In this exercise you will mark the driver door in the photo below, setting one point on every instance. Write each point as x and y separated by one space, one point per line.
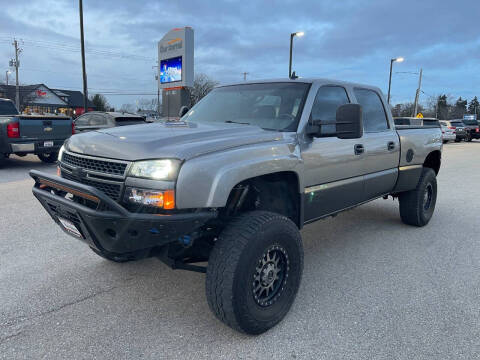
334 167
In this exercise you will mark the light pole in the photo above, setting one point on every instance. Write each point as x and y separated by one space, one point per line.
6 75
400 59
292 35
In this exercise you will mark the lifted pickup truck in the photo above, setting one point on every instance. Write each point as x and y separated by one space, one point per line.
32 134
234 181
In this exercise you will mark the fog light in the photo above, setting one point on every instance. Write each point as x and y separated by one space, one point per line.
163 199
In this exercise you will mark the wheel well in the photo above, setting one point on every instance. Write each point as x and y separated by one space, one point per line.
277 192
433 161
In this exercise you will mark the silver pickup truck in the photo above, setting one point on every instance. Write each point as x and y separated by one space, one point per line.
234 181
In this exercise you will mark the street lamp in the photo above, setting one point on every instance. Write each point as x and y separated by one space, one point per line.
292 35
399 59
6 75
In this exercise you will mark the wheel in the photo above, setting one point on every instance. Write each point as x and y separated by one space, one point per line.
445 141
48 158
469 138
254 271
417 206
112 257
457 140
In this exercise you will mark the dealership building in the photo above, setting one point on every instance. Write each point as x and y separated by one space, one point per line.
40 99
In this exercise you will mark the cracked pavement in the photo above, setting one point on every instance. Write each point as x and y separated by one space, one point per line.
372 287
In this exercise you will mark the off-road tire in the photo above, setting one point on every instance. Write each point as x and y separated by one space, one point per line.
417 206
48 158
234 263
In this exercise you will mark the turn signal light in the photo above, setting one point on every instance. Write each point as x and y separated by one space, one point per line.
162 199
73 128
13 130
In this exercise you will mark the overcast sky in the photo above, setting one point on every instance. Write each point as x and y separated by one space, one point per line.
346 40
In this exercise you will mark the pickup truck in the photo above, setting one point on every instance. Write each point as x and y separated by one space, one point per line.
31 134
232 183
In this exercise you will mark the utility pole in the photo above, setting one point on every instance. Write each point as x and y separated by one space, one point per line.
245 76
16 64
415 108
82 43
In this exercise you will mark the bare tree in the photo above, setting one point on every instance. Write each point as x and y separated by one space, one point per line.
128 108
202 85
147 104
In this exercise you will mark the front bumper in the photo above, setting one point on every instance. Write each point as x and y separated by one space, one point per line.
108 226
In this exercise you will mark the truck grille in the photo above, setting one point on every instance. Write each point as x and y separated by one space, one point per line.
89 163
105 175
114 191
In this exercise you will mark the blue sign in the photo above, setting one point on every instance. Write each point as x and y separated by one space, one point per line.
171 70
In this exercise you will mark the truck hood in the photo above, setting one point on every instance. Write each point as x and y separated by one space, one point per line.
179 140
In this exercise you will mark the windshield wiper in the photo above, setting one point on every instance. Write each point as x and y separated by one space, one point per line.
236 122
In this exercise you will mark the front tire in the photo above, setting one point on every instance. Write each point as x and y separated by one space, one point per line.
48 158
254 271
417 206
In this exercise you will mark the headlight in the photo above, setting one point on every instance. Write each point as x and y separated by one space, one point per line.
60 152
155 169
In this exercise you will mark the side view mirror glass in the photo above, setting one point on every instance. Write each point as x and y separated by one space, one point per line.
183 111
349 121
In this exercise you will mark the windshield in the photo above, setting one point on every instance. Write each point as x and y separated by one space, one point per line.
470 122
271 106
457 124
7 108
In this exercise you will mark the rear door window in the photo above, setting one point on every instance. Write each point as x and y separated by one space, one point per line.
374 117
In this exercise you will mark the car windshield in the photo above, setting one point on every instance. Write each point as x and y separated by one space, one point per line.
470 122
457 124
271 106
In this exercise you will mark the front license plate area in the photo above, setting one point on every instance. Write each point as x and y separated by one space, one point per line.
70 227
47 143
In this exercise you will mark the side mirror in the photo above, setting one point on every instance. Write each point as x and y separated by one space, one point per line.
349 121
183 110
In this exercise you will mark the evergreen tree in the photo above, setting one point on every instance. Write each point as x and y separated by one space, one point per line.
474 106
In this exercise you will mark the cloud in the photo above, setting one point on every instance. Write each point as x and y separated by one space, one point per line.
348 40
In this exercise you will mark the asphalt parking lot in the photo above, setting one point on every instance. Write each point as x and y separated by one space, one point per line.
373 288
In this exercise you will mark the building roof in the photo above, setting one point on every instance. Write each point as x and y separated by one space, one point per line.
73 98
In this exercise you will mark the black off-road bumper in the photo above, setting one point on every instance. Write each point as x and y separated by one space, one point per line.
108 226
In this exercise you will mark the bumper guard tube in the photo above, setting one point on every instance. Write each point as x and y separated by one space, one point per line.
114 229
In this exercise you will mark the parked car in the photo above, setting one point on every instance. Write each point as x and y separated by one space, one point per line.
42 135
458 126
414 121
447 134
473 130
234 181
96 120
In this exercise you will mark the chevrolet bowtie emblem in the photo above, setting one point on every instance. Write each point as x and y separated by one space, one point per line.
48 128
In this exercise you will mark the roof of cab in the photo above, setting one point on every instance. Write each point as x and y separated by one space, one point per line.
307 80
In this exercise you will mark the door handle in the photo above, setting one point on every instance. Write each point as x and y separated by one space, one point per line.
358 149
390 146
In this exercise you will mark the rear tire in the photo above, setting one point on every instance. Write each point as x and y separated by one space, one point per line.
248 269
48 158
417 206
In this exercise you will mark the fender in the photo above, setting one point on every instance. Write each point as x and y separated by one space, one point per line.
206 181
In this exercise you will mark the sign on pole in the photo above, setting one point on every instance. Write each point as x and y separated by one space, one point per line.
420 115
175 57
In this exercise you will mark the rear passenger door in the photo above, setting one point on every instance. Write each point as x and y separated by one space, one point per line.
381 142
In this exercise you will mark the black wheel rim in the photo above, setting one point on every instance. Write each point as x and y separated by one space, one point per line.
427 197
270 276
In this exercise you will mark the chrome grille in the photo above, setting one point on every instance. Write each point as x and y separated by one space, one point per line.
114 191
107 167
